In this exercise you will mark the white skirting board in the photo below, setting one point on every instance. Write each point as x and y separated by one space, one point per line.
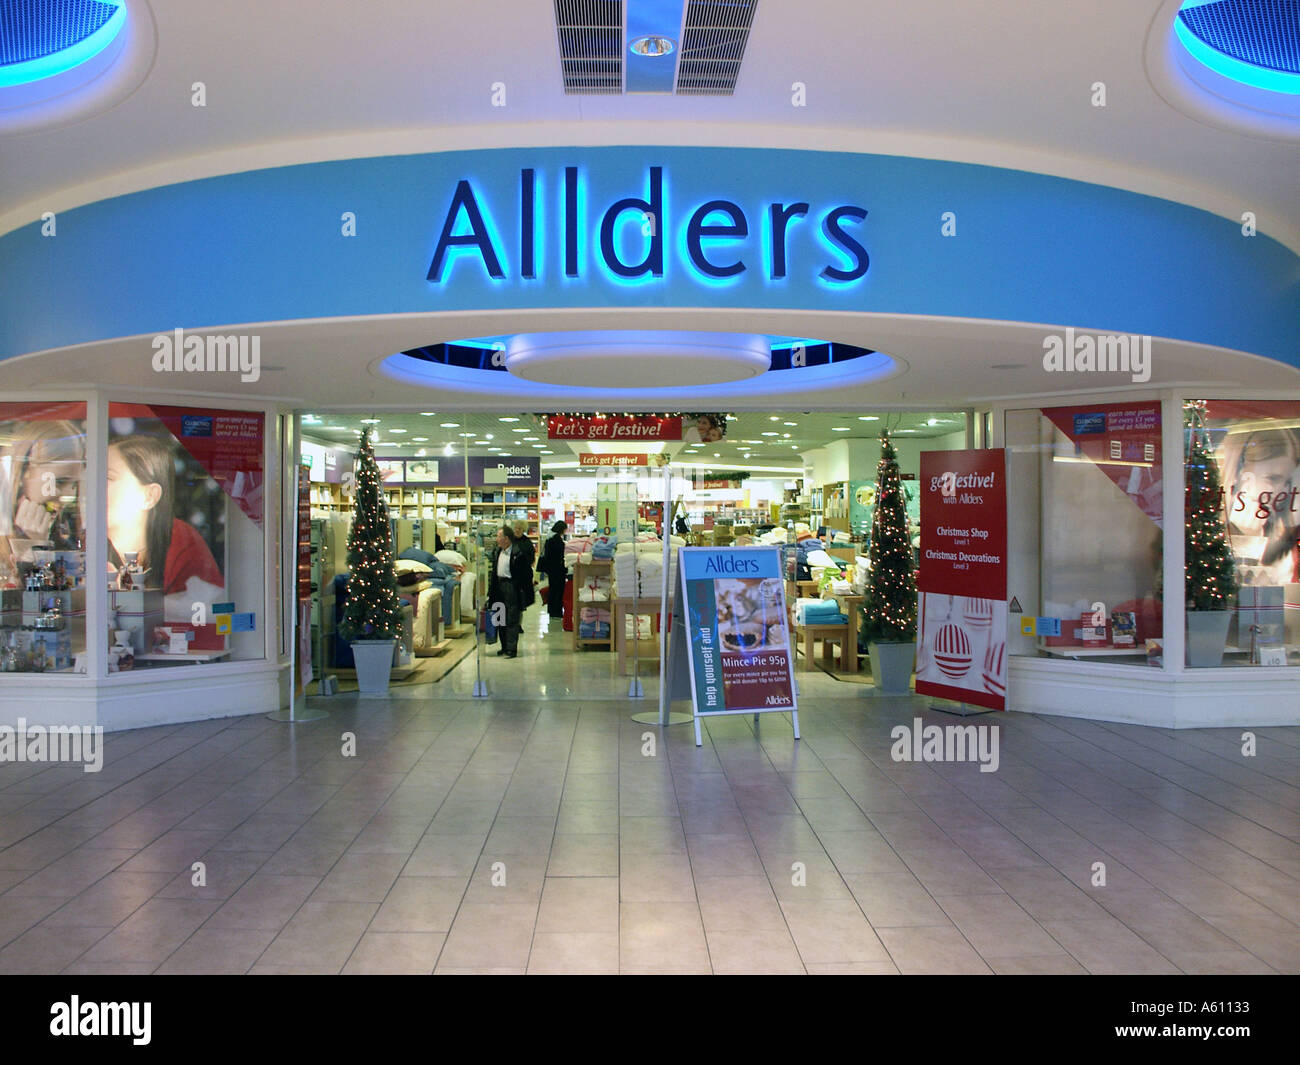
1239 696
153 697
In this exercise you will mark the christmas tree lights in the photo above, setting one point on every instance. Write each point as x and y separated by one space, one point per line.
890 605
374 606
1211 580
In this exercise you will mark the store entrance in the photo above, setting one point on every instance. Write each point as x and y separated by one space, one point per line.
581 503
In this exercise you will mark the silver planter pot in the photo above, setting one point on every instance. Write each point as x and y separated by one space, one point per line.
374 659
1207 636
891 666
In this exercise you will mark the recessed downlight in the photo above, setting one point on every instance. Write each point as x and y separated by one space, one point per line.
652 45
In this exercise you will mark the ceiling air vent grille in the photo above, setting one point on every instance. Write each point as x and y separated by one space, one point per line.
714 34
591 45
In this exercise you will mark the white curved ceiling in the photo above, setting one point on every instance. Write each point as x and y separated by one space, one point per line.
1006 83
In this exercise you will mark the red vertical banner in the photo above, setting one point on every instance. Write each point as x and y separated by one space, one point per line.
304 577
962 581
304 532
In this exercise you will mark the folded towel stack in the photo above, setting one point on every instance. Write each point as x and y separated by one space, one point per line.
593 624
818 612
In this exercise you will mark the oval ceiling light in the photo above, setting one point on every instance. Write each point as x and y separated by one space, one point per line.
637 359
47 39
1253 42
653 45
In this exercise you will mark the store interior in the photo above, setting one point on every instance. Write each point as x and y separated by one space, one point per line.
802 481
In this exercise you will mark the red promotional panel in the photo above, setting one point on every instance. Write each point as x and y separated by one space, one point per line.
613 460
613 427
1123 441
227 444
964 523
304 532
962 623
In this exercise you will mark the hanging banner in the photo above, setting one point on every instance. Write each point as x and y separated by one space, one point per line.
613 427
304 532
738 630
962 581
613 460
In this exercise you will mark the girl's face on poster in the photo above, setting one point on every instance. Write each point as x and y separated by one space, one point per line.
129 503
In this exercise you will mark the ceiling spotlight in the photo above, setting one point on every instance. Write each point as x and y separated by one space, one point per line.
369 421
653 45
867 418
839 428
791 423
428 414
771 434
774 418
449 425
397 430
507 419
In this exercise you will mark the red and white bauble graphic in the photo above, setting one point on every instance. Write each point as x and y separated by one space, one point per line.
995 669
952 651
978 613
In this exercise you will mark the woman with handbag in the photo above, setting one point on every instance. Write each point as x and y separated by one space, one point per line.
510 584
551 563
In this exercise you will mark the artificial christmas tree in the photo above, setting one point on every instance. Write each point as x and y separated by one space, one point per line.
1210 588
372 617
889 625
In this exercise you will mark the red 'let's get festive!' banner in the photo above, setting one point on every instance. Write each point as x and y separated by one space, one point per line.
613 427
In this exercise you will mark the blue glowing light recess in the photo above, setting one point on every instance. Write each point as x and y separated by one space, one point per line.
1253 42
42 38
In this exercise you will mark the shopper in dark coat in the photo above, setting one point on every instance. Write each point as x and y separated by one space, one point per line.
510 583
551 563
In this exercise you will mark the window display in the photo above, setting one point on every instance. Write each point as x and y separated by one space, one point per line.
42 536
1086 521
184 520
1256 446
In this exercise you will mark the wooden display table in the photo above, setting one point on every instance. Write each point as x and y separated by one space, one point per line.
621 609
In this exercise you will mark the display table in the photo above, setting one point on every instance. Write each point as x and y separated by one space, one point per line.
620 610
851 604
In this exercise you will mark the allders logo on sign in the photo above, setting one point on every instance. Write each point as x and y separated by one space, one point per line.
948 483
715 235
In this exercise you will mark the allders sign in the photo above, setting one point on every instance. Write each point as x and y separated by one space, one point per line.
717 239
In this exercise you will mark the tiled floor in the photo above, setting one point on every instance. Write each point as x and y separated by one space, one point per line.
533 832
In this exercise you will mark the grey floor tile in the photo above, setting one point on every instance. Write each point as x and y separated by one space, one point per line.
320 934
827 930
395 953
487 936
152 932
574 953
1108 947
265 901
754 952
420 904
579 904
587 854
932 950
895 900
218 951
997 927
